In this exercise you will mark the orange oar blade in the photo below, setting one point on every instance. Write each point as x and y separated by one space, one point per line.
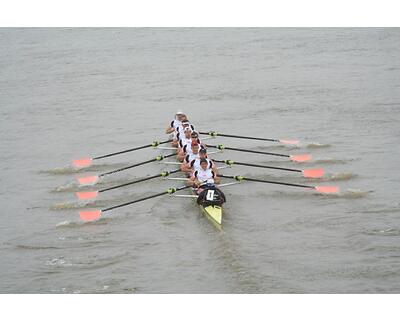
87 195
88 180
327 189
82 163
90 215
289 141
301 157
313 173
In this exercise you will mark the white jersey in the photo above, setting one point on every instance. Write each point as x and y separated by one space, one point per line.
191 156
175 124
183 141
180 129
206 176
195 163
187 147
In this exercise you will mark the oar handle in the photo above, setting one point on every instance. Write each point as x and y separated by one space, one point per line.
222 147
241 178
216 134
230 162
158 158
153 144
169 191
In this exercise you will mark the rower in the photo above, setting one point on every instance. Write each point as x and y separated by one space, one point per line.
192 153
183 141
189 137
204 175
195 163
179 117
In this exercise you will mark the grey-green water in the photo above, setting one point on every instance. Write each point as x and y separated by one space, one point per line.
67 93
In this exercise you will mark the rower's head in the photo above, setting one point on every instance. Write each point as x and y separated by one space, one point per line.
180 115
203 153
188 132
203 164
194 135
185 124
195 147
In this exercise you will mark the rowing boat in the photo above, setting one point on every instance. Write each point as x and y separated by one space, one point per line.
210 199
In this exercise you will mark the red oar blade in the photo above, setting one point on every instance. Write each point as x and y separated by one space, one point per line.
313 173
86 195
90 215
327 189
301 157
82 163
85 181
290 142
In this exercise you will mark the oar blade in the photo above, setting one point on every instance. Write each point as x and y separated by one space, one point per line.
82 163
86 181
289 142
313 173
87 195
300 157
90 215
327 189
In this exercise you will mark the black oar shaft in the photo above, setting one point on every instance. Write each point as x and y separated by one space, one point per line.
229 162
169 191
216 134
240 178
159 158
162 174
222 147
154 144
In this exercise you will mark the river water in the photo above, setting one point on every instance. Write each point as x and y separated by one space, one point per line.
69 93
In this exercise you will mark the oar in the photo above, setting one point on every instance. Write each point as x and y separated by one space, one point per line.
94 215
295 158
307 173
93 179
216 134
85 195
86 162
320 189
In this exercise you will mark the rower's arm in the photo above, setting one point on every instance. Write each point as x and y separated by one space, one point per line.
169 130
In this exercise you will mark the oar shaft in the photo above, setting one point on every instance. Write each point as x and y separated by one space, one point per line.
229 162
159 158
162 174
154 144
239 178
169 191
215 134
222 147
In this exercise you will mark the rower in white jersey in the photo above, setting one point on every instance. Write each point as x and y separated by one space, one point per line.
186 140
179 117
195 163
204 175
192 153
179 131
